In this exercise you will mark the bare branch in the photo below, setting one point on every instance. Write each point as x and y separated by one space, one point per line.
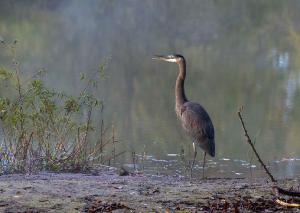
253 148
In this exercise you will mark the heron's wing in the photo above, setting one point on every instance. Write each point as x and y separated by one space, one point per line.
197 123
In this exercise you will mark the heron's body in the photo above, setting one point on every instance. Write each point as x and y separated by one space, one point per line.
197 123
194 119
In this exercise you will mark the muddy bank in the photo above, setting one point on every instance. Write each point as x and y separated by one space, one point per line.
107 191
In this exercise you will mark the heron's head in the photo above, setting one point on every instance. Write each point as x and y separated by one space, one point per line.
169 58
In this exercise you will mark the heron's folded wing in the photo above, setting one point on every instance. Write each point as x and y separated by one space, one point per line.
197 122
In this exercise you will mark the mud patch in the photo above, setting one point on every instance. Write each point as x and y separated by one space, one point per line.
24 209
109 192
95 204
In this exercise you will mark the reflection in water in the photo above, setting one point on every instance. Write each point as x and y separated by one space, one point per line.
222 168
291 88
280 60
290 168
227 47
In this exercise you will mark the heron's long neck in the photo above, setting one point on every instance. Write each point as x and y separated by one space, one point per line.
179 88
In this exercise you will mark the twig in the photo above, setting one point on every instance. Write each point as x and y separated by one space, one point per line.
113 142
283 203
88 123
253 148
184 161
143 158
133 159
101 134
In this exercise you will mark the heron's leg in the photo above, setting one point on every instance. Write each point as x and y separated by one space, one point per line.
194 159
195 153
203 165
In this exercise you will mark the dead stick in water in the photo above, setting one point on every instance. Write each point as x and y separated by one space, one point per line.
253 148
277 189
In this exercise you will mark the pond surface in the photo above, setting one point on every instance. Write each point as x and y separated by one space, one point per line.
239 53
177 165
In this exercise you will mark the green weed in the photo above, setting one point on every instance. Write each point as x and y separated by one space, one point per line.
45 129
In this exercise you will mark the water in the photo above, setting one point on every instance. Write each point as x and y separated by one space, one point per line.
239 53
214 168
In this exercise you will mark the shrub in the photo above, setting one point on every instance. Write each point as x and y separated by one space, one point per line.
45 129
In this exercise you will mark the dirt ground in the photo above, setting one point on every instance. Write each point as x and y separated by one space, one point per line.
107 191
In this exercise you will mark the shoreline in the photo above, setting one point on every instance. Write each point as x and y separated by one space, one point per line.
108 191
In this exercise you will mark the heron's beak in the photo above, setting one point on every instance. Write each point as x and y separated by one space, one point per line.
164 58
159 57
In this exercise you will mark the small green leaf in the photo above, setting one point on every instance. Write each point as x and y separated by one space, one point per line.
82 76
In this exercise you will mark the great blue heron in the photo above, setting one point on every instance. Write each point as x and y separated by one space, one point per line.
194 119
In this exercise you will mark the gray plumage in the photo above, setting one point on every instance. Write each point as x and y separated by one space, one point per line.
197 123
194 119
